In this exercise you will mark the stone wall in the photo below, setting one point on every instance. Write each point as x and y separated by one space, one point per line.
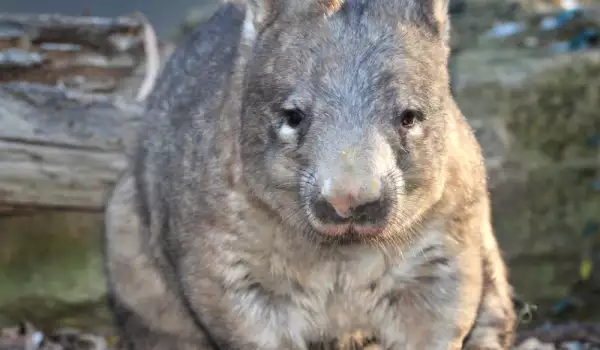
536 119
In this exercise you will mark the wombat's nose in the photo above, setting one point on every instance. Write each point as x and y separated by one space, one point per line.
342 203
361 203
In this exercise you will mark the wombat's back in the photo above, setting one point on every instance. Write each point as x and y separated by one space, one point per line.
186 102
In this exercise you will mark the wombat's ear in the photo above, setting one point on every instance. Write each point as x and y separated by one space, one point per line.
261 12
258 14
433 12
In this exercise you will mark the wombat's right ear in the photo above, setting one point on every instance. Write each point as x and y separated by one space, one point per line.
435 12
261 12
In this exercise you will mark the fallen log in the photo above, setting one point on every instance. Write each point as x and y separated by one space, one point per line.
69 92
94 53
61 148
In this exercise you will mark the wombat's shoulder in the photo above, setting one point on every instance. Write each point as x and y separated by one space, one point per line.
186 104
201 63
193 84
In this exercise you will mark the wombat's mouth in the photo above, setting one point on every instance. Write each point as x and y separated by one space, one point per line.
363 222
351 230
351 223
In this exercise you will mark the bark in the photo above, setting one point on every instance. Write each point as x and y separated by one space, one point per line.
61 148
90 53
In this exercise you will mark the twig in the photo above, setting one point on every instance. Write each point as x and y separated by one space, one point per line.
589 333
152 58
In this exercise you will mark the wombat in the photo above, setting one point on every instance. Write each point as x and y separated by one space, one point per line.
303 175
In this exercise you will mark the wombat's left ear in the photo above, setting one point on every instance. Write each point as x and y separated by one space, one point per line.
433 12
260 12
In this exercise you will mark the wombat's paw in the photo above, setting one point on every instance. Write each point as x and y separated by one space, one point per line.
480 346
358 340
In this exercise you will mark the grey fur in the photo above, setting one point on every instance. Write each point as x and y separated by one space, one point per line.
211 236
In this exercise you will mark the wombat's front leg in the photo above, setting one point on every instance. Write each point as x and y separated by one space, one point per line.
135 335
236 312
357 340
437 309
494 327
496 320
148 312
430 332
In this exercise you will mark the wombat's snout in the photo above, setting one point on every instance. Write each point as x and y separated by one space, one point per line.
351 204
352 192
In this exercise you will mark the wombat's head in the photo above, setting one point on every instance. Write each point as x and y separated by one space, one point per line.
344 120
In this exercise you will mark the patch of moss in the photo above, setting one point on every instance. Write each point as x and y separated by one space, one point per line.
50 261
548 213
50 314
558 113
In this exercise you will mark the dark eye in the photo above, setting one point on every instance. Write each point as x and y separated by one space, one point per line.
293 117
408 118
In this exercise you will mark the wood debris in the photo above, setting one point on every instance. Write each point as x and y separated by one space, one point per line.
71 90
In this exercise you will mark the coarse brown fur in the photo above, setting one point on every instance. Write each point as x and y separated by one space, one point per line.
222 233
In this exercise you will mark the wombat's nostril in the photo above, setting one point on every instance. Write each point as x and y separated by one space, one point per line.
371 213
327 214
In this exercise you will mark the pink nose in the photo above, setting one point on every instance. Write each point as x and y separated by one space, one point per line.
343 203
344 197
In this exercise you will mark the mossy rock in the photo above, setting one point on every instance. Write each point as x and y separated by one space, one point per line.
486 77
552 120
541 212
546 213
542 179
51 269
50 314
558 114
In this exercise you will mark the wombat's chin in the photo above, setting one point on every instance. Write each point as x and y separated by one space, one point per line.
350 232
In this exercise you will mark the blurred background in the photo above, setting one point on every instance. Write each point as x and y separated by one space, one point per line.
525 73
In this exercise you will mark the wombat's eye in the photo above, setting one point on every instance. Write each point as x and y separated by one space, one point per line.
293 117
408 118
